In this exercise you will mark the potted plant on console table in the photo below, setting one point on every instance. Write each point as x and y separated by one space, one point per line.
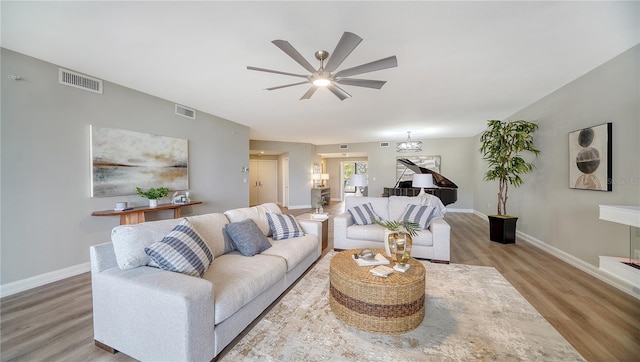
501 146
153 194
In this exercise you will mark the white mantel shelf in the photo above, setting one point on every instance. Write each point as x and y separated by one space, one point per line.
614 266
621 214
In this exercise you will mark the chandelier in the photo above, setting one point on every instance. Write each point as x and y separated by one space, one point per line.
409 145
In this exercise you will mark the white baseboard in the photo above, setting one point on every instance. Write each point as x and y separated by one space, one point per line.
578 263
466 211
42 279
582 265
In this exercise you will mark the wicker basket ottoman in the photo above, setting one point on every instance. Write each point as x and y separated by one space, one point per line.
389 305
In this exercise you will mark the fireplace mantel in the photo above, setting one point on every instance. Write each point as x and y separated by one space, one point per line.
624 269
621 214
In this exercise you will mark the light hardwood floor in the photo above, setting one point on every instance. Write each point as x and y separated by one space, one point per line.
54 322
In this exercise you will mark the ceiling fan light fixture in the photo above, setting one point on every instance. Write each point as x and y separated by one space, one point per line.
409 145
327 76
321 82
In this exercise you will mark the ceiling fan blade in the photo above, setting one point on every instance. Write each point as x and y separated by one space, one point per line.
339 92
380 64
348 42
276 72
309 92
286 85
293 53
377 84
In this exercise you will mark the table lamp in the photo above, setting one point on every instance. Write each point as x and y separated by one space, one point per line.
422 180
324 177
358 181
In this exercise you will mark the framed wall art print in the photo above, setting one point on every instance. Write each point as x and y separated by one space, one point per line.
123 160
590 158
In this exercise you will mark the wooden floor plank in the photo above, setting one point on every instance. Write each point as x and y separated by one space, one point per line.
54 322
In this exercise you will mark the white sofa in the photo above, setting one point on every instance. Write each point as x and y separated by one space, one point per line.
157 315
432 244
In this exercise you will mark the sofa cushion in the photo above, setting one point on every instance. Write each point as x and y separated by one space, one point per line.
211 227
397 204
129 241
371 232
424 238
283 226
363 214
238 280
183 250
293 250
247 237
436 203
257 213
380 204
419 214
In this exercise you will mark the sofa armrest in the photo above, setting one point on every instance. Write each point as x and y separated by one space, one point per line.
152 314
441 232
340 224
102 257
313 227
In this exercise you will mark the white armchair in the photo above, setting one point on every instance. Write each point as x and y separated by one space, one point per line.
432 244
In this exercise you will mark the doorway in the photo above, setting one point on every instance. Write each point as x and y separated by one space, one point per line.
263 181
285 182
347 169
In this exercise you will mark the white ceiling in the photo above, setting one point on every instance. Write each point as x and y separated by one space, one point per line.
460 63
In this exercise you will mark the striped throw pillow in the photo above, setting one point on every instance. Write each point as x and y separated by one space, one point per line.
421 215
363 214
183 250
283 226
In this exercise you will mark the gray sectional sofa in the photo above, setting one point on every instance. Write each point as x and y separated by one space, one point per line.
154 314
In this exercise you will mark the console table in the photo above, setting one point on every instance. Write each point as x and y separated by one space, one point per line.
320 195
136 215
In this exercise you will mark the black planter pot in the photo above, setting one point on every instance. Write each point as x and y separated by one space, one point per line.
502 229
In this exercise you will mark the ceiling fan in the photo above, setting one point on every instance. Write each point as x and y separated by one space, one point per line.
325 76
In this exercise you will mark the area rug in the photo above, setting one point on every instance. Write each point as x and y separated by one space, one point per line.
472 314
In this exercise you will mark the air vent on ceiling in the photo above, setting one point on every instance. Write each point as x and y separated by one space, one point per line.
384 144
185 112
78 80
344 146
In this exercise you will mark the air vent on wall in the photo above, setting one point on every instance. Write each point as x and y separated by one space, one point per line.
384 144
344 146
78 80
185 112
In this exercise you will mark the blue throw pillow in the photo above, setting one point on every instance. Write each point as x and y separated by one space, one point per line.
421 215
247 237
183 250
363 214
283 226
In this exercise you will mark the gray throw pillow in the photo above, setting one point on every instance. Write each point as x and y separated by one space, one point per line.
247 237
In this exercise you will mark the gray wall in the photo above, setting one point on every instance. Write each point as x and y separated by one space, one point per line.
45 165
456 155
549 211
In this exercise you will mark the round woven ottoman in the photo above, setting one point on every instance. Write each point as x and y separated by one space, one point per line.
389 305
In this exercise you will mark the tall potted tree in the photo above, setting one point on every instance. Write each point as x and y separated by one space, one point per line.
502 145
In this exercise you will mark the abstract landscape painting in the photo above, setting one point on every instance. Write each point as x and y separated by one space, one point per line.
122 160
